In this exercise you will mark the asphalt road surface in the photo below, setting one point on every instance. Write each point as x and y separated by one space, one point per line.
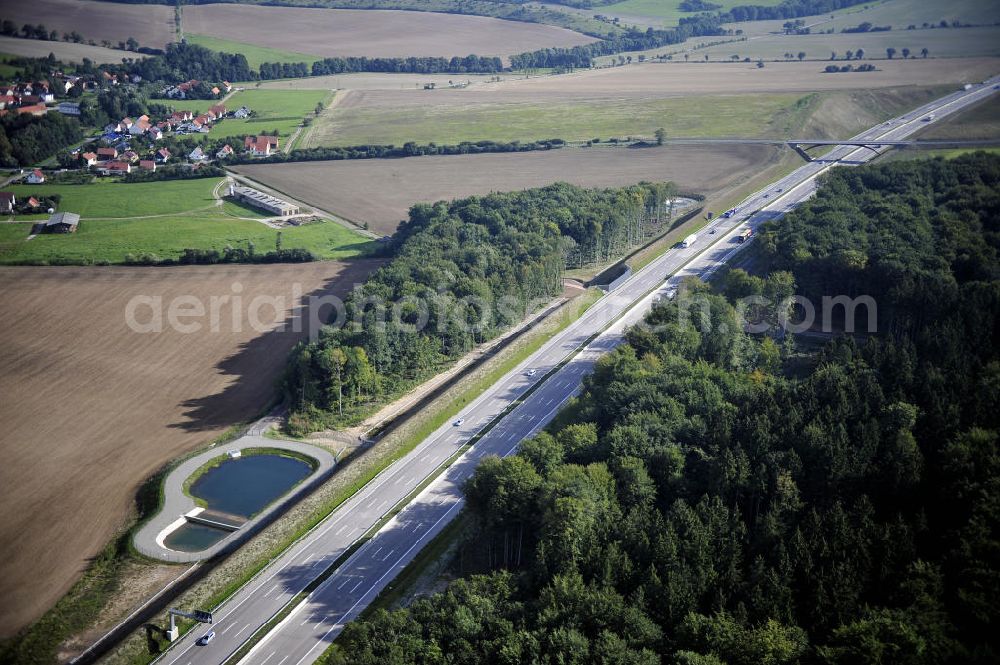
302 636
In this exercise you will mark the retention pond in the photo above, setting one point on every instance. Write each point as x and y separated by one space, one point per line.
232 491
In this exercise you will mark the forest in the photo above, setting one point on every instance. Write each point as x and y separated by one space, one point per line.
719 497
461 272
26 139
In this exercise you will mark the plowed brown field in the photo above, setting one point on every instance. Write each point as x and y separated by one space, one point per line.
380 191
152 25
346 32
90 408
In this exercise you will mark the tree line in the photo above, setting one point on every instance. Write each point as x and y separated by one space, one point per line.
410 149
718 497
461 272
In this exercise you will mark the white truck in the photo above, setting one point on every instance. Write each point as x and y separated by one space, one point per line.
690 240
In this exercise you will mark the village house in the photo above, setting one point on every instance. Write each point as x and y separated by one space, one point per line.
224 152
88 158
162 156
32 202
69 108
36 177
180 116
147 164
130 156
155 133
126 124
62 222
260 146
140 126
7 202
197 155
218 111
241 113
227 86
104 154
115 168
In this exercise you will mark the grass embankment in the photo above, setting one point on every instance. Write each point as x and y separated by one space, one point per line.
705 116
255 55
119 220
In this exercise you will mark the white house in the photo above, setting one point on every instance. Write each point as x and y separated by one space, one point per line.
197 155
36 177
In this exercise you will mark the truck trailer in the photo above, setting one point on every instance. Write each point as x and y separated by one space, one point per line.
690 240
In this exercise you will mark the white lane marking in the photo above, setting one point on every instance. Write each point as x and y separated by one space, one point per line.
307 619
269 591
282 660
372 502
399 480
360 582
377 582
223 631
237 634
386 557
383 504
339 530
268 657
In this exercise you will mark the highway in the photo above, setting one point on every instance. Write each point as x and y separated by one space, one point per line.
560 365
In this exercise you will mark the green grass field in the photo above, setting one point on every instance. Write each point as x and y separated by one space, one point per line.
902 13
573 121
7 71
161 218
112 199
666 10
255 55
281 110
166 237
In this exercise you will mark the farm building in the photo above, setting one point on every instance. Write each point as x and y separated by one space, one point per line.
62 222
265 202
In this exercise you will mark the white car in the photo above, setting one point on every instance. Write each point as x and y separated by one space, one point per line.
458 422
207 637
531 372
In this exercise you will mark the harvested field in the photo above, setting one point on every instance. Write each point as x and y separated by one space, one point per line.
64 51
152 25
941 43
380 191
623 101
347 32
718 78
90 409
